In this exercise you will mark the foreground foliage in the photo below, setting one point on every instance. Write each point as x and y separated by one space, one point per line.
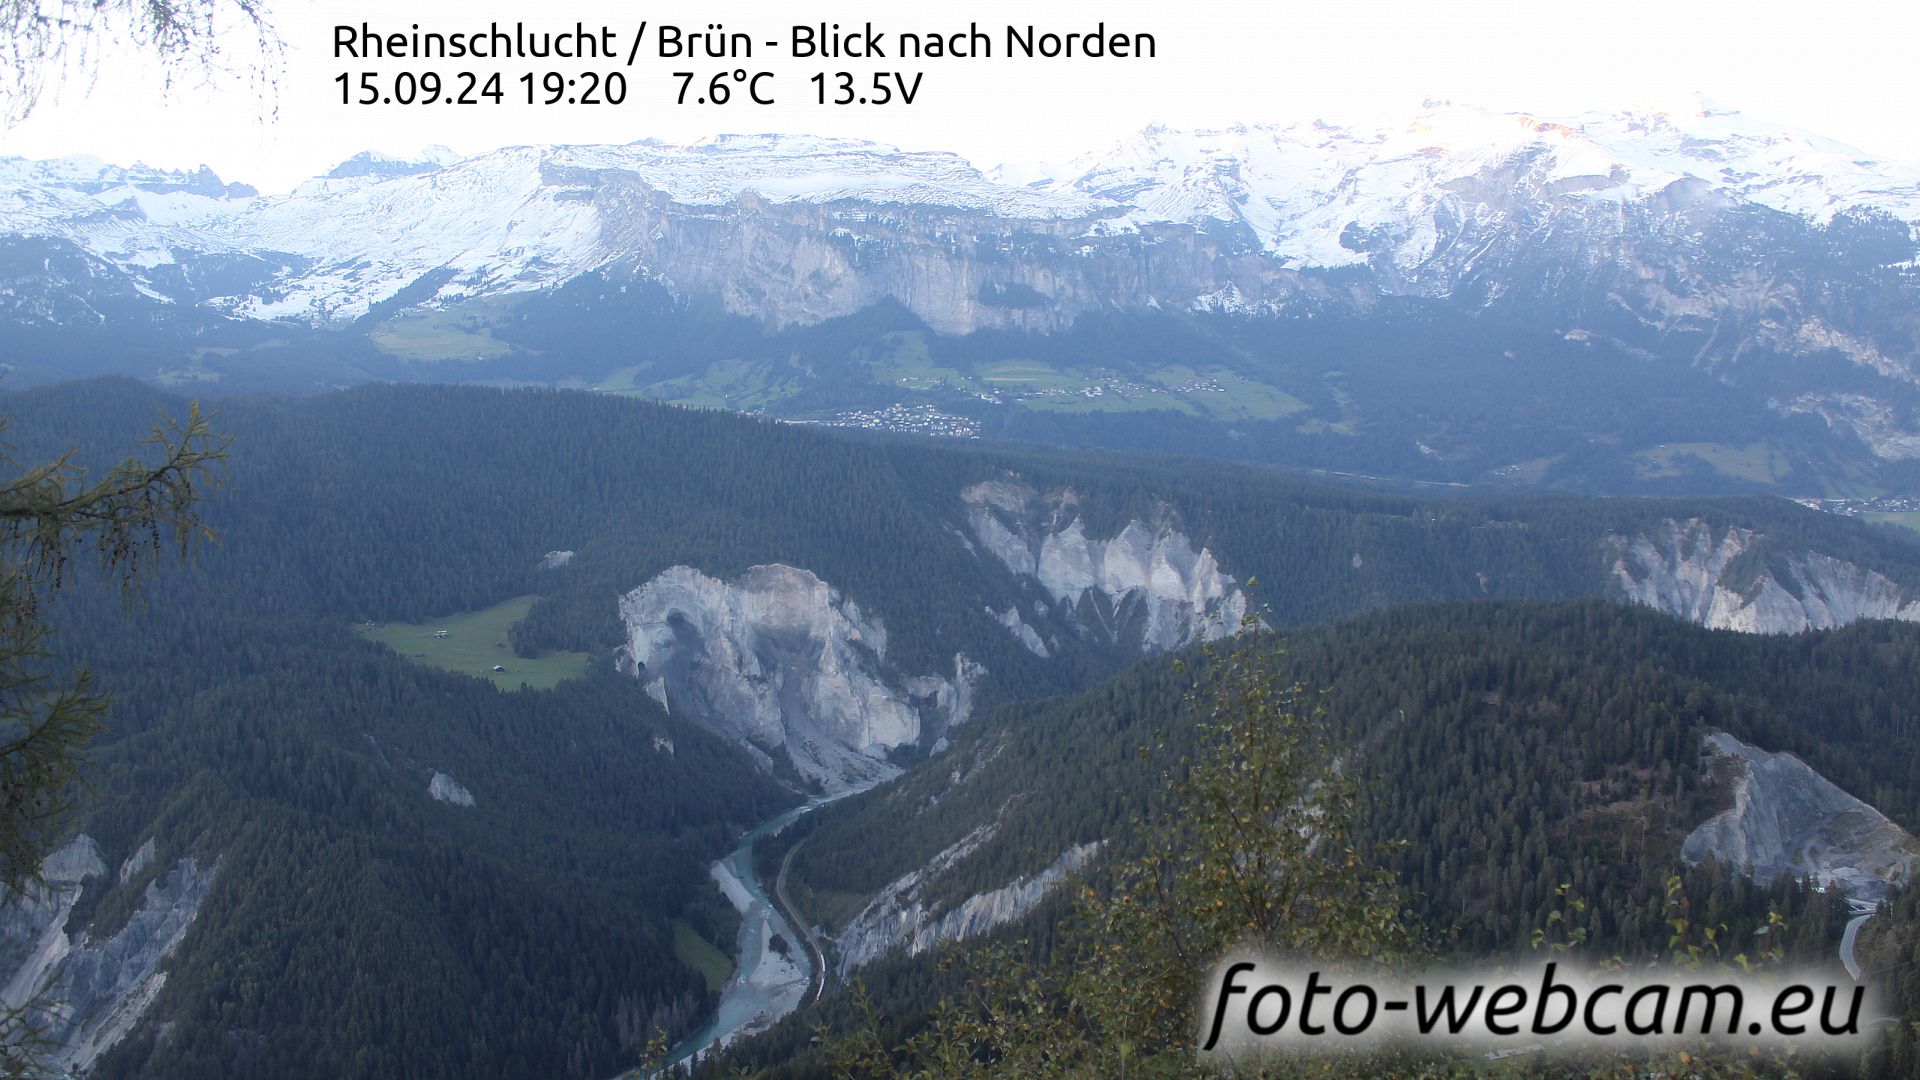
50 516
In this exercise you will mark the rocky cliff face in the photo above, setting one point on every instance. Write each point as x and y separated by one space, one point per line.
1688 570
780 661
1144 584
1788 819
102 985
901 917
448 790
1023 633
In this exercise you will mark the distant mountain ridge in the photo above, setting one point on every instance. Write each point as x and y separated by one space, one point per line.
1645 302
1305 196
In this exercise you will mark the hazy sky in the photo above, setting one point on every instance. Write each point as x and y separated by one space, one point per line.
1842 69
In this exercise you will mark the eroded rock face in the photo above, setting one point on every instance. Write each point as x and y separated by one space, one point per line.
139 860
1025 634
900 917
1787 819
448 790
1682 568
103 986
779 660
1147 579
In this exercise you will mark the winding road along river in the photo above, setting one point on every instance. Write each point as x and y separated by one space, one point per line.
1862 911
766 984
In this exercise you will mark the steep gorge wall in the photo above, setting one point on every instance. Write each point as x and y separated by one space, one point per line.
1682 568
1788 820
1145 583
96 989
901 916
781 662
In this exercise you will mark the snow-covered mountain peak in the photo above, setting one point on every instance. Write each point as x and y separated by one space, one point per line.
1301 187
89 175
781 143
372 167
796 168
1403 198
387 166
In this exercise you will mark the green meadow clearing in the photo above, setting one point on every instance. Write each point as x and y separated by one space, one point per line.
475 642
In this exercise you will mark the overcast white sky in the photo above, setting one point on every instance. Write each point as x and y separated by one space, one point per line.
1843 69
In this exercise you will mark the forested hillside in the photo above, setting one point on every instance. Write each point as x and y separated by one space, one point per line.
427 500
363 920
1477 723
1503 749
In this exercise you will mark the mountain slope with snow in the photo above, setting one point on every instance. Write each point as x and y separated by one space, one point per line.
1303 195
1736 297
508 221
1304 190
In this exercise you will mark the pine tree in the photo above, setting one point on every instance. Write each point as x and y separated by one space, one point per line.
50 519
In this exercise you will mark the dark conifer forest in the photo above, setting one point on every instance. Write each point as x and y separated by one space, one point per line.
1515 730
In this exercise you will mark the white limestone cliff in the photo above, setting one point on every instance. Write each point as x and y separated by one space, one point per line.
98 987
1787 819
448 790
1024 633
1147 578
779 660
900 916
1681 568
